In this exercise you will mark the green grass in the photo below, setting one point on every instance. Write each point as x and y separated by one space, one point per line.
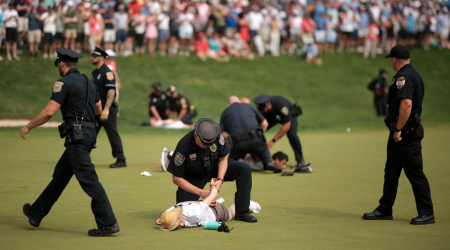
321 210
333 96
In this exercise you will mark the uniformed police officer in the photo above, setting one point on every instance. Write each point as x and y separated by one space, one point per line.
380 89
404 149
277 109
244 126
180 104
201 155
105 81
157 102
77 107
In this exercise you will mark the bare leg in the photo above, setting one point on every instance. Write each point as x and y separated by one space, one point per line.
231 211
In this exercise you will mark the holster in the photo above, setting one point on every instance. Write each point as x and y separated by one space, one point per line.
62 130
260 133
296 110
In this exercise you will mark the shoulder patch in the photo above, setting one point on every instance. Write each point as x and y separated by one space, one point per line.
284 111
57 87
163 97
183 101
221 140
400 82
179 159
213 148
110 76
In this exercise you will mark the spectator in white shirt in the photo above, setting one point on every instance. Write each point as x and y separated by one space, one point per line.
10 17
49 19
186 30
163 29
255 20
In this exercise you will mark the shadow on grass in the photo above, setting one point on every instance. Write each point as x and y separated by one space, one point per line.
319 212
146 215
22 224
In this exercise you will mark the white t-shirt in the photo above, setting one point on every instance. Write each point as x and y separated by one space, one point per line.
255 20
11 23
347 22
296 23
186 19
49 22
163 21
195 214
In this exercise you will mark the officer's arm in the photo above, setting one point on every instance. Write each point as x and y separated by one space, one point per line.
188 187
110 98
155 113
264 125
98 108
283 130
41 118
223 166
182 114
404 113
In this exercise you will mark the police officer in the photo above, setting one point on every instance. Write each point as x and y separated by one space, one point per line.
202 155
244 127
77 107
105 81
157 102
380 89
180 104
277 109
404 149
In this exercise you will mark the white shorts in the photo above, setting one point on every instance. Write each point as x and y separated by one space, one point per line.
444 33
86 29
22 24
109 36
185 33
320 35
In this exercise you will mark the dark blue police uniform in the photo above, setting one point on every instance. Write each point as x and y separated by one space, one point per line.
158 101
179 103
71 93
188 162
105 80
240 121
378 86
407 153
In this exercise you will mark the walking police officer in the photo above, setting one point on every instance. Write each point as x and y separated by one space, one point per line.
201 155
277 109
105 81
380 89
180 104
157 102
404 149
78 99
243 127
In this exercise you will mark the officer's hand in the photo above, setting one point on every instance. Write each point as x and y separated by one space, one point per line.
270 144
24 131
398 136
204 193
104 115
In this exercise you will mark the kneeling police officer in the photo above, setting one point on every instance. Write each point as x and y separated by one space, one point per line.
78 98
201 155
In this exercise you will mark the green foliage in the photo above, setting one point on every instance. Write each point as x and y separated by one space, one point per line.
333 96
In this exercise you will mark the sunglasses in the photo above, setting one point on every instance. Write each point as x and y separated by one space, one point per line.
56 62
261 107
206 142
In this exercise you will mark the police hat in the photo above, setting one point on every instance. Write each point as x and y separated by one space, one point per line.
172 89
99 52
208 130
157 86
66 55
399 52
382 71
261 101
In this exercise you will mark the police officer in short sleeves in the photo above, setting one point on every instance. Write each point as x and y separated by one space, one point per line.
105 81
201 155
157 102
77 106
277 109
180 104
404 149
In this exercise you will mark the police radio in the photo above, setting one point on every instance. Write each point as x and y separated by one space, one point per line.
77 131
296 110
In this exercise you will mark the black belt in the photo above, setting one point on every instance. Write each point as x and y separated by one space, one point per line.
69 126
250 135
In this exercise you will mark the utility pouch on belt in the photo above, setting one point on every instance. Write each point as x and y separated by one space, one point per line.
62 130
260 133
296 110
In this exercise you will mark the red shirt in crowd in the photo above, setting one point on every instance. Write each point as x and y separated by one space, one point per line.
202 45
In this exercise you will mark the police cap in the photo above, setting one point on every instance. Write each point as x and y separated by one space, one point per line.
99 52
172 89
208 130
261 101
400 52
66 55
382 71
157 86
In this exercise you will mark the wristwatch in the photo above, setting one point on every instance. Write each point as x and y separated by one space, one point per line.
397 129
220 179
274 140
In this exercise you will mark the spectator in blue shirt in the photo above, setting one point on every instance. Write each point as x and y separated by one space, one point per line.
34 31
231 24
320 30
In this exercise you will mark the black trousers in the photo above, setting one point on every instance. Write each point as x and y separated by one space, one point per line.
380 105
255 146
407 155
112 131
76 161
237 171
294 140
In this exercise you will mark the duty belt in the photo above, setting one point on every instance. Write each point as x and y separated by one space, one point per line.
69 126
249 136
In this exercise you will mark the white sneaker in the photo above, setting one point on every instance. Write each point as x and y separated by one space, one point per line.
255 207
164 160
220 200
9 57
1 58
45 56
17 58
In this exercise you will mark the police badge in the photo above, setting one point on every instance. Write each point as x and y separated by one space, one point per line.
213 148
179 159
57 87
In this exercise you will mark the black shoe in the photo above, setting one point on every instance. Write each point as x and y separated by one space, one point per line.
423 219
377 215
245 216
273 167
118 164
104 231
302 168
31 220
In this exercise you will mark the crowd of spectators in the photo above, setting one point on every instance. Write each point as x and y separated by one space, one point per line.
220 29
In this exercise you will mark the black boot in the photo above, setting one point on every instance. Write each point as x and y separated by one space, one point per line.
245 216
272 167
377 215
31 220
104 231
118 164
423 219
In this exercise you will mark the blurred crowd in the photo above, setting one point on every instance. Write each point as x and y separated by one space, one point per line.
221 29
